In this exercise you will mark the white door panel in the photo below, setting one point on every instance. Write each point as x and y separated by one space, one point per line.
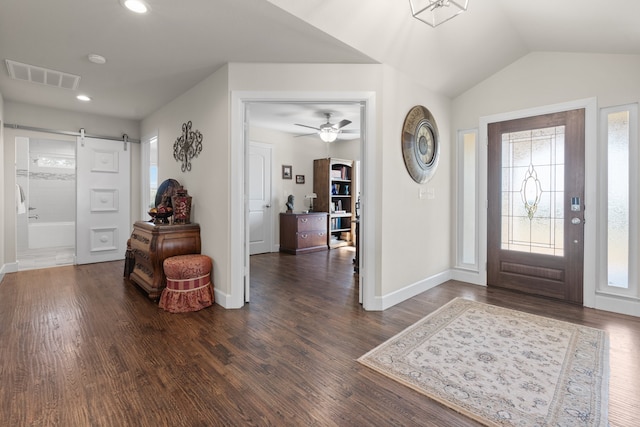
260 212
103 190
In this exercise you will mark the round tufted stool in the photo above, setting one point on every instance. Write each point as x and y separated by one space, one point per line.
188 283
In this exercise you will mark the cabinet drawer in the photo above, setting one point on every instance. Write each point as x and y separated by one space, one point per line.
311 239
312 223
140 240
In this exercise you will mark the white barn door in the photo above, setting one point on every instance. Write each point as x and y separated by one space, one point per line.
103 222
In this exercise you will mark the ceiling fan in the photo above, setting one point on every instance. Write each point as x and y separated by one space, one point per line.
328 131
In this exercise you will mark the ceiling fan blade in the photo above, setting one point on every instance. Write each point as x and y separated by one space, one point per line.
350 131
305 134
341 124
310 127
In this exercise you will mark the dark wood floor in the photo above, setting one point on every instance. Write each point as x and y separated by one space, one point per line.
80 346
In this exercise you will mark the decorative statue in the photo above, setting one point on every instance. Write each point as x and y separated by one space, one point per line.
290 203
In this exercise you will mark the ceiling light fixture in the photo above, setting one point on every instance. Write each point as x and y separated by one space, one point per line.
328 133
97 59
435 12
137 6
83 98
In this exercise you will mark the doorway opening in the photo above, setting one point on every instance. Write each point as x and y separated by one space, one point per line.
287 136
240 259
45 202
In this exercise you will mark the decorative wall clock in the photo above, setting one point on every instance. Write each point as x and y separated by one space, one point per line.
420 144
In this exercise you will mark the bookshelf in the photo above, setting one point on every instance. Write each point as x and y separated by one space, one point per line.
333 182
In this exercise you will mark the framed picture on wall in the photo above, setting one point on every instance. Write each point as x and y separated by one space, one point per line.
299 179
286 172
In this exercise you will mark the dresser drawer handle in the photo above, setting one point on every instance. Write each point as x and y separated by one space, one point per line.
303 219
304 236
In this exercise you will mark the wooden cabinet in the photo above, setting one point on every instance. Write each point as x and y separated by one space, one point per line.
151 244
333 182
303 232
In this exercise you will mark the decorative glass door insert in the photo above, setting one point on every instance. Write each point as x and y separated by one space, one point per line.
533 191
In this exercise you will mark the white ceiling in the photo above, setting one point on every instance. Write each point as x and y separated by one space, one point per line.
151 59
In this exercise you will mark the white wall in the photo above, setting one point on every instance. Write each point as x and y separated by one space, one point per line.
409 234
347 149
414 232
546 78
206 105
55 119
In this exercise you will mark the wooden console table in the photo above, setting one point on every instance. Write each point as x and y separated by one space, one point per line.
151 244
303 232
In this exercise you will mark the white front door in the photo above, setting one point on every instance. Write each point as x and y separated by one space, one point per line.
102 212
260 212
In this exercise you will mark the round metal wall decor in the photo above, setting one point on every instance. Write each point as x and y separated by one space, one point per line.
420 144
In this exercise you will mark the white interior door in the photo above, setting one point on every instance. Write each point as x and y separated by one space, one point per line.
260 212
103 181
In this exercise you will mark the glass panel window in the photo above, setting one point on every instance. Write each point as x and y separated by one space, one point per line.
618 199
467 212
153 169
149 174
533 190
619 204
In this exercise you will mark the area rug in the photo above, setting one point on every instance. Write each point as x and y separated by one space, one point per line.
502 367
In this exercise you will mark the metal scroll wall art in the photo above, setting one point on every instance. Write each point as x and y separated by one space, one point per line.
187 146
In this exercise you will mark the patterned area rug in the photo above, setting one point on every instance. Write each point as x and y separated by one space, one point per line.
502 367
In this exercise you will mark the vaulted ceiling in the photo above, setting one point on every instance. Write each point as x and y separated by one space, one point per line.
153 58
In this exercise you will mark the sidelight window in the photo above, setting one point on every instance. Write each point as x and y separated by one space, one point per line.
149 175
619 134
467 202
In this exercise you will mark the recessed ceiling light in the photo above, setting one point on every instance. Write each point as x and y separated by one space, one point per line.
137 6
97 59
84 98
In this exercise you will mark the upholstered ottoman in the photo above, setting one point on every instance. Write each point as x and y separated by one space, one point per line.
188 283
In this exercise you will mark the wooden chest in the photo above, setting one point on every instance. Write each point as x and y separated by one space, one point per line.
151 244
303 232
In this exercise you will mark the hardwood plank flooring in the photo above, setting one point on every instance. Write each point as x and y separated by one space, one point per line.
81 346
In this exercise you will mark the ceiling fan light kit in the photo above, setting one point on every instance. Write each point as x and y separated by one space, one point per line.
328 132
436 12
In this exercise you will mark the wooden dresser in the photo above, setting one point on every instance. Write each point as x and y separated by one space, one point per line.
151 244
303 232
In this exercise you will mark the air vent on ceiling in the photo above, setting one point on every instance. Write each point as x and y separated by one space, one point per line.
45 76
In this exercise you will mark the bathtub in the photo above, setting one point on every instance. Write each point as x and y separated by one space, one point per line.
51 234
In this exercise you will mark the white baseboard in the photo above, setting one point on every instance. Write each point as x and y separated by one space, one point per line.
628 306
222 299
468 276
410 291
10 267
